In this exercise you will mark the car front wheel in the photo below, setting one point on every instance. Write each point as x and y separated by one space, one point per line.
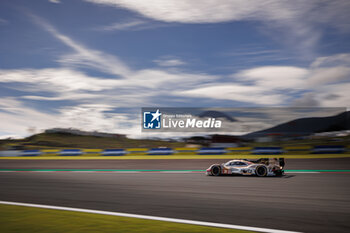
261 171
216 170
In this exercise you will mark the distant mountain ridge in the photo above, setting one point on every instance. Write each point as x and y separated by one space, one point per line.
307 126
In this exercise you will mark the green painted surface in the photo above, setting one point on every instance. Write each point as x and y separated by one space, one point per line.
36 220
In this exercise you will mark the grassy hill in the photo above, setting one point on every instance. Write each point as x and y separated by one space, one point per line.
65 140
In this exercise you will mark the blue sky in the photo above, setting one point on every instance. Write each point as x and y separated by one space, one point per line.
92 64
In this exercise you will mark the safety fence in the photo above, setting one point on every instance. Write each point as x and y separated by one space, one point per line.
320 149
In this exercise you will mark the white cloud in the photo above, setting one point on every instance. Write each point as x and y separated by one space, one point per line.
193 11
331 61
293 23
272 77
56 80
88 116
20 119
55 1
260 85
333 69
245 93
64 96
329 75
334 12
121 26
169 62
84 56
334 95
97 117
69 84
325 81
17 118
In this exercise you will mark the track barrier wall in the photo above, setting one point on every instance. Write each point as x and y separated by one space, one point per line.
320 149
328 149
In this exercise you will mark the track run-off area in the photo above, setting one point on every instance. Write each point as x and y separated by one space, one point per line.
313 196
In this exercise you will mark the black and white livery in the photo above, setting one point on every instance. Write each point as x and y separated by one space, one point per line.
261 167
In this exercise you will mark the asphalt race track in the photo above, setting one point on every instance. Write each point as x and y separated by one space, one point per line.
314 202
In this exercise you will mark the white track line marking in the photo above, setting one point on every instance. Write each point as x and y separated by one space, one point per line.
176 220
82 171
132 172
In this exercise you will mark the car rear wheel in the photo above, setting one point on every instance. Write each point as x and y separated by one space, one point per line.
261 171
216 170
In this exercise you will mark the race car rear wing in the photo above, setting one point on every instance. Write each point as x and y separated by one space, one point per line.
269 161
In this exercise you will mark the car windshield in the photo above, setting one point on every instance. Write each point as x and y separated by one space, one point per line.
235 163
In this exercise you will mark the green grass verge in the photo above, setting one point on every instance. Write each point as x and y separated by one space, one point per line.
36 220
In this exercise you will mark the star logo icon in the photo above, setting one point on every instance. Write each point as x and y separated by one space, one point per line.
156 115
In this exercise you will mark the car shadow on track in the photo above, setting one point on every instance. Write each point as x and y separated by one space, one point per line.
266 177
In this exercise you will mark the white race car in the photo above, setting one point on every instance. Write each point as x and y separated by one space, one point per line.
260 167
